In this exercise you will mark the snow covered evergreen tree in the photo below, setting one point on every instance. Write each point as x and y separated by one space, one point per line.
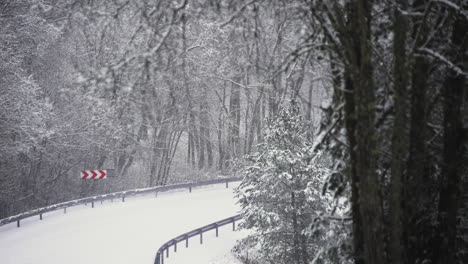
280 194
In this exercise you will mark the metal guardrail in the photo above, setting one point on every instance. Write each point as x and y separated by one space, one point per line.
17 218
196 232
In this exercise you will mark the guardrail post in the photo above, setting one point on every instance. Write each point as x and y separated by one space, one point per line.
18 223
64 210
167 252
201 237
216 230
233 225
186 241
162 258
175 246
156 194
190 188
40 216
158 258
227 184
92 204
123 198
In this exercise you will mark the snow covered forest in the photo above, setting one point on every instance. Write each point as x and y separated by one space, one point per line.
348 119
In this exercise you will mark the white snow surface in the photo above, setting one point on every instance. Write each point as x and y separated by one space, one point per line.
126 232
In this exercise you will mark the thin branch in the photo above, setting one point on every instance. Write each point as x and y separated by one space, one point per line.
452 5
236 14
440 57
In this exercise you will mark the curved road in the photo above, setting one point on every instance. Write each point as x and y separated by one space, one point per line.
128 232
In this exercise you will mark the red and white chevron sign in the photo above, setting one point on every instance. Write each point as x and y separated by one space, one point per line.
94 174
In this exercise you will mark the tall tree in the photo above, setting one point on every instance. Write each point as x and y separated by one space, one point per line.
399 133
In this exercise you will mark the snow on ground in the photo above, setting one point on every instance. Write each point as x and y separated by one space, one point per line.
128 232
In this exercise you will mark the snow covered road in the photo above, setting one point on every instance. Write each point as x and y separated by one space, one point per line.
128 232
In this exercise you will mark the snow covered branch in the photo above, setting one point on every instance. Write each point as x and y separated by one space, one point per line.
440 57
454 6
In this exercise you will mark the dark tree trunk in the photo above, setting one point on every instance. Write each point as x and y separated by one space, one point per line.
154 158
453 94
172 150
189 147
201 147
370 204
234 120
256 116
193 139
220 143
160 150
205 134
220 132
209 149
417 170
350 124
399 136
